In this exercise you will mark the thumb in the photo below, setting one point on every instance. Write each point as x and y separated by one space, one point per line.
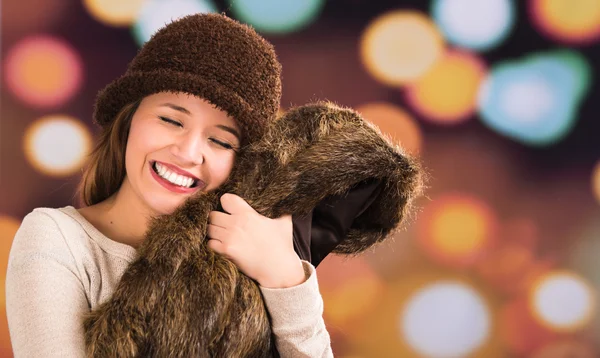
234 204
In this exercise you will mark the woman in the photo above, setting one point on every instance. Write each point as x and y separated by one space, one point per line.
202 88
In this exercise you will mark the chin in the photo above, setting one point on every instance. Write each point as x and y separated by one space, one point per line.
164 206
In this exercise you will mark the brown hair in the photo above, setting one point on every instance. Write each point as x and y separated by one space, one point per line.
105 168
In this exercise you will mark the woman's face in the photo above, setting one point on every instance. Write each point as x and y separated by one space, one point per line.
178 144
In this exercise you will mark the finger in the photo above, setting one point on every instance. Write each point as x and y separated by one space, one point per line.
218 218
235 204
217 233
216 245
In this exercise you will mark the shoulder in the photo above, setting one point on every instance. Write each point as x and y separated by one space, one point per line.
46 231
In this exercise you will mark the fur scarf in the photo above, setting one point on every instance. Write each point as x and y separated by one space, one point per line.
345 185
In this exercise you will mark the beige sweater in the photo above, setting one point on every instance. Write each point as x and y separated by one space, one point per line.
61 266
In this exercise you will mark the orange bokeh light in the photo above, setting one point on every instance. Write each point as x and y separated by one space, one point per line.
571 21
457 230
400 46
396 123
596 182
43 71
447 93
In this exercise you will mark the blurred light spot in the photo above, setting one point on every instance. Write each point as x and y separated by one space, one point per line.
341 279
43 71
276 16
567 67
57 145
8 229
456 230
445 319
596 181
396 123
520 332
155 14
400 46
447 93
565 348
570 21
563 301
114 12
534 101
479 25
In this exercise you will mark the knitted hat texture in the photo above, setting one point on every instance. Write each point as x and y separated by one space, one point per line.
207 55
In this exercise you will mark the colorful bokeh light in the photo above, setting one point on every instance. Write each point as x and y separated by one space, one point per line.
479 25
445 319
569 21
534 101
155 14
596 181
57 145
396 123
43 71
400 46
563 301
447 93
457 230
276 16
114 12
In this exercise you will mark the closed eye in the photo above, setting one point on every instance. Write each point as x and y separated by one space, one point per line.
223 144
170 121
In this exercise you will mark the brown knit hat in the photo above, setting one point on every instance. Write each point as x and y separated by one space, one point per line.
207 55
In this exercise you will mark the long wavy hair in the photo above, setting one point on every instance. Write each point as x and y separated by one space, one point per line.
104 171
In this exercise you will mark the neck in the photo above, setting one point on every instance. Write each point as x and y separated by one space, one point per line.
123 217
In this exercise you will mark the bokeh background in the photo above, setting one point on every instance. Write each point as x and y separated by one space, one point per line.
498 98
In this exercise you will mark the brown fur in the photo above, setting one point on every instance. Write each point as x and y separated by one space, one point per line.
179 299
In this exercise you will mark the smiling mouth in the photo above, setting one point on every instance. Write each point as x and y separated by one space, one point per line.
173 178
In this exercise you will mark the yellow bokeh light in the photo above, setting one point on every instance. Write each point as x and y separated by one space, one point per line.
562 301
570 20
396 123
8 229
596 181
114 12
57 145
447 93
456 229
400 46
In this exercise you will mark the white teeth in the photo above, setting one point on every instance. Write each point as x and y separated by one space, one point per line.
172 177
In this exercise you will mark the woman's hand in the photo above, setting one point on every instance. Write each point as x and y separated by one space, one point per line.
262 248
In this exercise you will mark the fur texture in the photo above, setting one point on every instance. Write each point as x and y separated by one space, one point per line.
179 299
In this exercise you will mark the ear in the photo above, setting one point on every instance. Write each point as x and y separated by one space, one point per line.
316 235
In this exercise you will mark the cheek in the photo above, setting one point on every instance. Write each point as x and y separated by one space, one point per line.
143 140
223 167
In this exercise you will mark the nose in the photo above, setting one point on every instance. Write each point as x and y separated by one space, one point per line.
189 149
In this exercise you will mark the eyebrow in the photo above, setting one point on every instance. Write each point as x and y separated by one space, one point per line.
230 130
221 126
177 108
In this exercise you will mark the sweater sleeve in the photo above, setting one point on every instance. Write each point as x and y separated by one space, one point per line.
297 318
44 296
